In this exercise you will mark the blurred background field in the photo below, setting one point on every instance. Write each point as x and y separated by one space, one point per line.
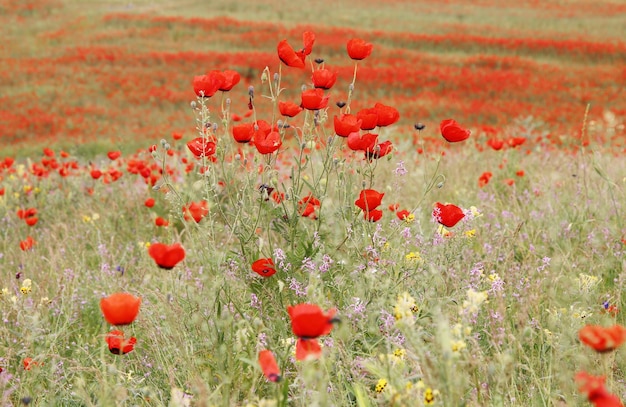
93 75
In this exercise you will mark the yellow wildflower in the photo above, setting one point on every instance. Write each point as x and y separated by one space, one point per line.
380 386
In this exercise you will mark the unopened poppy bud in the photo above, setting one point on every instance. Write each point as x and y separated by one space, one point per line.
167 146
276 77
163 142
237 157
193 104
303 88
440 185
341 104
263 77
319 60
251 91
156 187
227 101
279 124
215 126
419 126
330 140
351 87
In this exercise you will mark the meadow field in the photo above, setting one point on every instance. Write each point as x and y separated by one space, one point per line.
273 203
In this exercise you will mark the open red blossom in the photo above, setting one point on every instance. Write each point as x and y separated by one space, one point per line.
114 155
484 178
264 267
593 388
373 215
159 221
496 144
368 118
362 142
602 339
314 99
120 308
95 173
359 49
27 244
403 214
166 256
267 143
26 213
448 215
324 78
269 366
28 363
149 203
308 205
308 321
380 150
386 115
231 78
308 39
201 147
196 211
369 199
516 141
207 85
290 57
346 124
242 133
289 109
308 349
118 345
452 132
31 221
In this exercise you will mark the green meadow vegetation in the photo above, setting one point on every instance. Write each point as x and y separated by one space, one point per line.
476 262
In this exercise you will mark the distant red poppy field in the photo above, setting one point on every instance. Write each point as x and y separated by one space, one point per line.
276 203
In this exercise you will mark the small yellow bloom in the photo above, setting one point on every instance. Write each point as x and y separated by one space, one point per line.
475 212
380 386
26 286
414 256
86 219
429 396
409 218
399 353
443 231
405 308
470 233
494 277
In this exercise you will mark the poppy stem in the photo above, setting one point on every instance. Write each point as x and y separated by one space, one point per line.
351 87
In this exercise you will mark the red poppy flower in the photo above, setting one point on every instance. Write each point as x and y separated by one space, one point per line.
120 308
452 132
166 257
373 216
516 141
289 109
159 221
207 85
496 144
290 57
403 214
114 155
484 178
149 202
448 215
308 205
31 221
602 339
593 388
118 345
28 363
346 124
269 366
27 244
324 78
242 133
308 39
309 322
314 99
368 117
380 150
201 147
362 142
196 211
267 143
26 213
264 267
231 78
359 49
386 115
308 349
369 199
